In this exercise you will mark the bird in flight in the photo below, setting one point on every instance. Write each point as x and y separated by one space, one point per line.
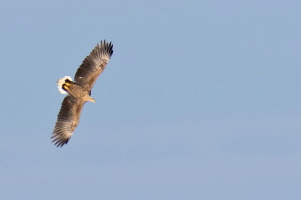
79 91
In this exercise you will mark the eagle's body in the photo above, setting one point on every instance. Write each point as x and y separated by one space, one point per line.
79 91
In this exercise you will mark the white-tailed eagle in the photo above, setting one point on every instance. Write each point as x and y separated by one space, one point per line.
79 91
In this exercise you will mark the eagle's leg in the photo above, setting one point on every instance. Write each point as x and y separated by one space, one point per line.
66 85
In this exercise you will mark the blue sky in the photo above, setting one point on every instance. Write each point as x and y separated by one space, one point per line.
199 101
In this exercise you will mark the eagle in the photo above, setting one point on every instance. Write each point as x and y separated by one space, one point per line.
79 91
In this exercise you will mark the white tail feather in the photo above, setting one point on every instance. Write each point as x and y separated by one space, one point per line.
60 83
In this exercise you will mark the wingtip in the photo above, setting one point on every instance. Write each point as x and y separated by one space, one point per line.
106 47
59 142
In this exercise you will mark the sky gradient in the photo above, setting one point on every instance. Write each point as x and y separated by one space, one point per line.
200 100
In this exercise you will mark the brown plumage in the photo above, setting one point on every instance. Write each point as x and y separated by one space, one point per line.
79 91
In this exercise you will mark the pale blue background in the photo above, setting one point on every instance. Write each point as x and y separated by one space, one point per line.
201 100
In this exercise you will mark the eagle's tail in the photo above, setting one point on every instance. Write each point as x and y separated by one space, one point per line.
66 80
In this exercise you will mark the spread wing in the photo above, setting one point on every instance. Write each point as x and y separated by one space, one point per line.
93 65
67 120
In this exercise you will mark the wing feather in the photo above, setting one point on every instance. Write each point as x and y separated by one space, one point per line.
67 120
93 65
